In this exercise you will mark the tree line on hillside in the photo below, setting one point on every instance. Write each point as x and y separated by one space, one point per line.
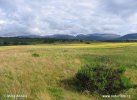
7 41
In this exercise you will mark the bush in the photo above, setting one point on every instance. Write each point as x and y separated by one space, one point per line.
102 80
87 42
35 55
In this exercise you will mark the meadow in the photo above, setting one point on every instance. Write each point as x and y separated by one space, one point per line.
45 71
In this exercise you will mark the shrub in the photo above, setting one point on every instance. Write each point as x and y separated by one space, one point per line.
87 42
102 80
35 55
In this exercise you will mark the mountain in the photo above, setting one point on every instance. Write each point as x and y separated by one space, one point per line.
20 35
97 36
29 36
85 37
132 36
60 36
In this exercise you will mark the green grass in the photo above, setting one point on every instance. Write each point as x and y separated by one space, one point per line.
38 71
56 93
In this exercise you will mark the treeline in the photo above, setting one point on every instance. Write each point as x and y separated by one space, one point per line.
7 41
125 40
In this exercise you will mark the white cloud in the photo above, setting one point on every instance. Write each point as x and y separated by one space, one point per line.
44 17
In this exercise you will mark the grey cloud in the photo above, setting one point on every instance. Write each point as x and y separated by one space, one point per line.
44 17
121 7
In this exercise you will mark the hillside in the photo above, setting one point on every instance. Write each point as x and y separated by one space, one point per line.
129 36
97 36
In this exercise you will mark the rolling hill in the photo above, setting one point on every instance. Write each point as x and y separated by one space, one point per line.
86 37
97 36
132 36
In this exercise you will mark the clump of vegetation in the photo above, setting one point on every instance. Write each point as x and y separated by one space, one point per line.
56 93
87 42
102 80
35 55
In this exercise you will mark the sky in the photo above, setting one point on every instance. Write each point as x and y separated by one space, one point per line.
46 17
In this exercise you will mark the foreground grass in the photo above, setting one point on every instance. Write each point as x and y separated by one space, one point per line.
38 71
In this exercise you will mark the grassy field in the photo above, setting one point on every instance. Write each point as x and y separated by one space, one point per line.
44 72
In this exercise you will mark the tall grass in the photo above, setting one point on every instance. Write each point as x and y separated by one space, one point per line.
39 77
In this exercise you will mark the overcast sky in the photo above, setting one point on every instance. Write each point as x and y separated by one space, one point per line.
43 17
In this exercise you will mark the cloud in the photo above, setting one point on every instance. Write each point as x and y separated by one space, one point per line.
43 17
123 8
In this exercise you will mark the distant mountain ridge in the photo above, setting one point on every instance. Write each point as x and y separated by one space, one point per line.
132 36
96 36
85 37
60 36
